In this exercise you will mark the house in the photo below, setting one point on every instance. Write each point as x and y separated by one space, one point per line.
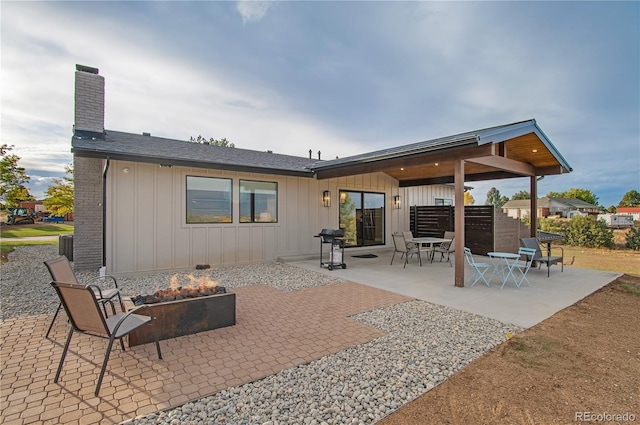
632 211
145 203
37 206
546 207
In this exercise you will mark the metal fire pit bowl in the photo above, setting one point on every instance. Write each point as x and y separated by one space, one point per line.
187 316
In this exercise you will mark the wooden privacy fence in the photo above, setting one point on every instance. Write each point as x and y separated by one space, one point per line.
479 225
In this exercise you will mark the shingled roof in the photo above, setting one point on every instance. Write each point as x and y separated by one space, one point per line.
545 202
511 150
118 145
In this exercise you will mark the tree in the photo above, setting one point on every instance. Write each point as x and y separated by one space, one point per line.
494 198
59 196
12 179
589 232
468 198
221 142
574 193
630 199
633 239
522 195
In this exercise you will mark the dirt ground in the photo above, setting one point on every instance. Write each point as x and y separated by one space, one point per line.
580 365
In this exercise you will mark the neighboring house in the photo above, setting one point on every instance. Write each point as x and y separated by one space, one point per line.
37 206
547 207
171 204
518 208
41 210
632 211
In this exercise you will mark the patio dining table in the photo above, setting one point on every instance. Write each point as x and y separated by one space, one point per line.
503 263
430 241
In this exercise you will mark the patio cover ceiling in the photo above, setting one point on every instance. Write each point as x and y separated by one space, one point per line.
507 151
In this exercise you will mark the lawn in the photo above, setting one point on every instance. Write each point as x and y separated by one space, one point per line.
25 231
614 260
20 231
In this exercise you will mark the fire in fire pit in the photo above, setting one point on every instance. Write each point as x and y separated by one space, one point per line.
179 293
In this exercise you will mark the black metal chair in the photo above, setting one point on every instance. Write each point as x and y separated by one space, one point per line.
61 271
85 316
548 259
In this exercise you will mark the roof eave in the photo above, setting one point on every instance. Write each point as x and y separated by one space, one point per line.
150 159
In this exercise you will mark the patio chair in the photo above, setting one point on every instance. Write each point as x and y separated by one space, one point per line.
407 237
404 248
548 259
445 248
85 315
523 268
61 271
479 269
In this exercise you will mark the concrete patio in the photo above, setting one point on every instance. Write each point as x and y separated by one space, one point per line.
434 282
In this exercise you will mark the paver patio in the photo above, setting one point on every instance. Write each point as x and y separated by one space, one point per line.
275 331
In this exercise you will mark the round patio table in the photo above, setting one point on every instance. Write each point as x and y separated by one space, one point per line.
503 263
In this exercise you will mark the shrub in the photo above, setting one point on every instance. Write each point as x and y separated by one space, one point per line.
633 238
589 232
554 225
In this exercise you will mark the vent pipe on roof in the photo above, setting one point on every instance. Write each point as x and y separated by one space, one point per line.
146 134
310 153
318 155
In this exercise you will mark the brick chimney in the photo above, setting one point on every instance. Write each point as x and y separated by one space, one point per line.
88 234
89 103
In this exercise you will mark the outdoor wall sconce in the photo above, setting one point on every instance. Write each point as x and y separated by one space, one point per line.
397 202
326 198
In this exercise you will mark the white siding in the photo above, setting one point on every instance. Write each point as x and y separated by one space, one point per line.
147 230
426 195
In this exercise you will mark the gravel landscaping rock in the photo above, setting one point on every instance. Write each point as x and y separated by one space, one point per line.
25 289
424 345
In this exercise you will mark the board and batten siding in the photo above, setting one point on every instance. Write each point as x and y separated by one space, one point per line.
147 229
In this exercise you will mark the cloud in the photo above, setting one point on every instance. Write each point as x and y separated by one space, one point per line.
252 11
313 77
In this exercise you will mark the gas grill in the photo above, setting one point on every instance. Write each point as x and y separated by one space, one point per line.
334 237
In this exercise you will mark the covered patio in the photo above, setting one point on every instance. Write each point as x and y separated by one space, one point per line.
523 307
519 149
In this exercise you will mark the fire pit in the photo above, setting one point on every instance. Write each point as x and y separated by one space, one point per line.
186 310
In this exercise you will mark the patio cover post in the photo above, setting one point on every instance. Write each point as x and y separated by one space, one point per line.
533 215
459 222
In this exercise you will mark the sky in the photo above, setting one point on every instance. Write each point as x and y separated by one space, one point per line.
342 78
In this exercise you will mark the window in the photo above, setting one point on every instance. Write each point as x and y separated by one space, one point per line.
258 202
208 200
441 201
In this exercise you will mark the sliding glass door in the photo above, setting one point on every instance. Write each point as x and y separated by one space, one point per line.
362 217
